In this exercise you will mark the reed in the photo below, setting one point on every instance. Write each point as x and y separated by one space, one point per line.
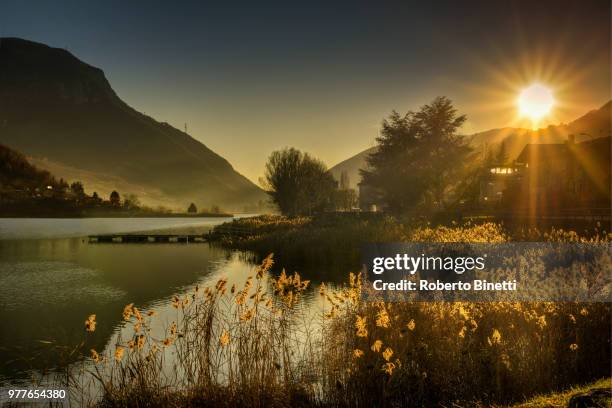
258 345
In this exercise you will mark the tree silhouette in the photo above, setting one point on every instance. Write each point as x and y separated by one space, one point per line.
416 156
192 209
298 183
115 198
77 189
345 182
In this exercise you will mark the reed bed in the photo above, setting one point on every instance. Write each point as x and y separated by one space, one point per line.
258 345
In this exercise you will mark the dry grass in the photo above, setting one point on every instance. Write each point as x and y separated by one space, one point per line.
561 399
257 345
228 347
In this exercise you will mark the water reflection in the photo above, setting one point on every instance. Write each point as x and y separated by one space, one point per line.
47 287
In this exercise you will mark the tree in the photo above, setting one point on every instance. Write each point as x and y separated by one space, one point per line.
77 189
416 157
298 183
192 209
62 185
115 198
345 199
345 183
131 201
475 172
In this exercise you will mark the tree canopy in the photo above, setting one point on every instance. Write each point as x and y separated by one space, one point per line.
417 155
298 183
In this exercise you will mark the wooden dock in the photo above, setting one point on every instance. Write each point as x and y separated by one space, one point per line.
147 239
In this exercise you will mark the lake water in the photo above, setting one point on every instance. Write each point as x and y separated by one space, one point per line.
36 228
51 279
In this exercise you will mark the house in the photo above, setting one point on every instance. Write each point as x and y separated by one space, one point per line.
497 179
564 176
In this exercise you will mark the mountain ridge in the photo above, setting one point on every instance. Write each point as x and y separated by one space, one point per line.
55 107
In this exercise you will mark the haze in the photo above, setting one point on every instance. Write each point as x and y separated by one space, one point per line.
250 78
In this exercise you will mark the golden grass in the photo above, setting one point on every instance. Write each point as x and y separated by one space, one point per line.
256 345
561 399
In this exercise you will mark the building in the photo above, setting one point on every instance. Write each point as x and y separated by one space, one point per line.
498 178
559 177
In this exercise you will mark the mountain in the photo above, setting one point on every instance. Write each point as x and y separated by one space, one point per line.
351 166
64 114
16 173
594 124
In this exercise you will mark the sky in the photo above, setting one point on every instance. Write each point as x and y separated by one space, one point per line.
252 77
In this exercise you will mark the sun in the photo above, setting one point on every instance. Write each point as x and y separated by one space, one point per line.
535 102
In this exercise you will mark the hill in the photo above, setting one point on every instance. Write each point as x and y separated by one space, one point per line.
16 173
64 113
351 166
594 124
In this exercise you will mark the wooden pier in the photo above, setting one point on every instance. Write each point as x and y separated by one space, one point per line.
147 239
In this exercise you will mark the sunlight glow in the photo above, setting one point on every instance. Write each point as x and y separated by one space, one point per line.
535 102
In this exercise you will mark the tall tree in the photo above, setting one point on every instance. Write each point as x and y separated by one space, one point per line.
417 155
298 183
345 182
114 198
192 209
77 189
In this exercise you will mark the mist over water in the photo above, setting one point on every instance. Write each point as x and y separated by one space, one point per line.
36 228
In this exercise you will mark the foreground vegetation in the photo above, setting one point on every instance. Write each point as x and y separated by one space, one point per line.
332 242
562 399
259 344
309 243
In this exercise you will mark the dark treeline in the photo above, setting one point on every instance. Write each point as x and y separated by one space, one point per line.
28 191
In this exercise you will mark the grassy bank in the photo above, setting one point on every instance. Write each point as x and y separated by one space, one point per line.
308 243
259 345
332 242
562 399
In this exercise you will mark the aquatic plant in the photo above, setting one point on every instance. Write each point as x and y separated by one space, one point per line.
257 345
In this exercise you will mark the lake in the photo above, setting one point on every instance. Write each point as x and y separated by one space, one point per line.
51 279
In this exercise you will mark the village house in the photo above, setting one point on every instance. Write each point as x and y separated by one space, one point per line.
497 179
548 178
